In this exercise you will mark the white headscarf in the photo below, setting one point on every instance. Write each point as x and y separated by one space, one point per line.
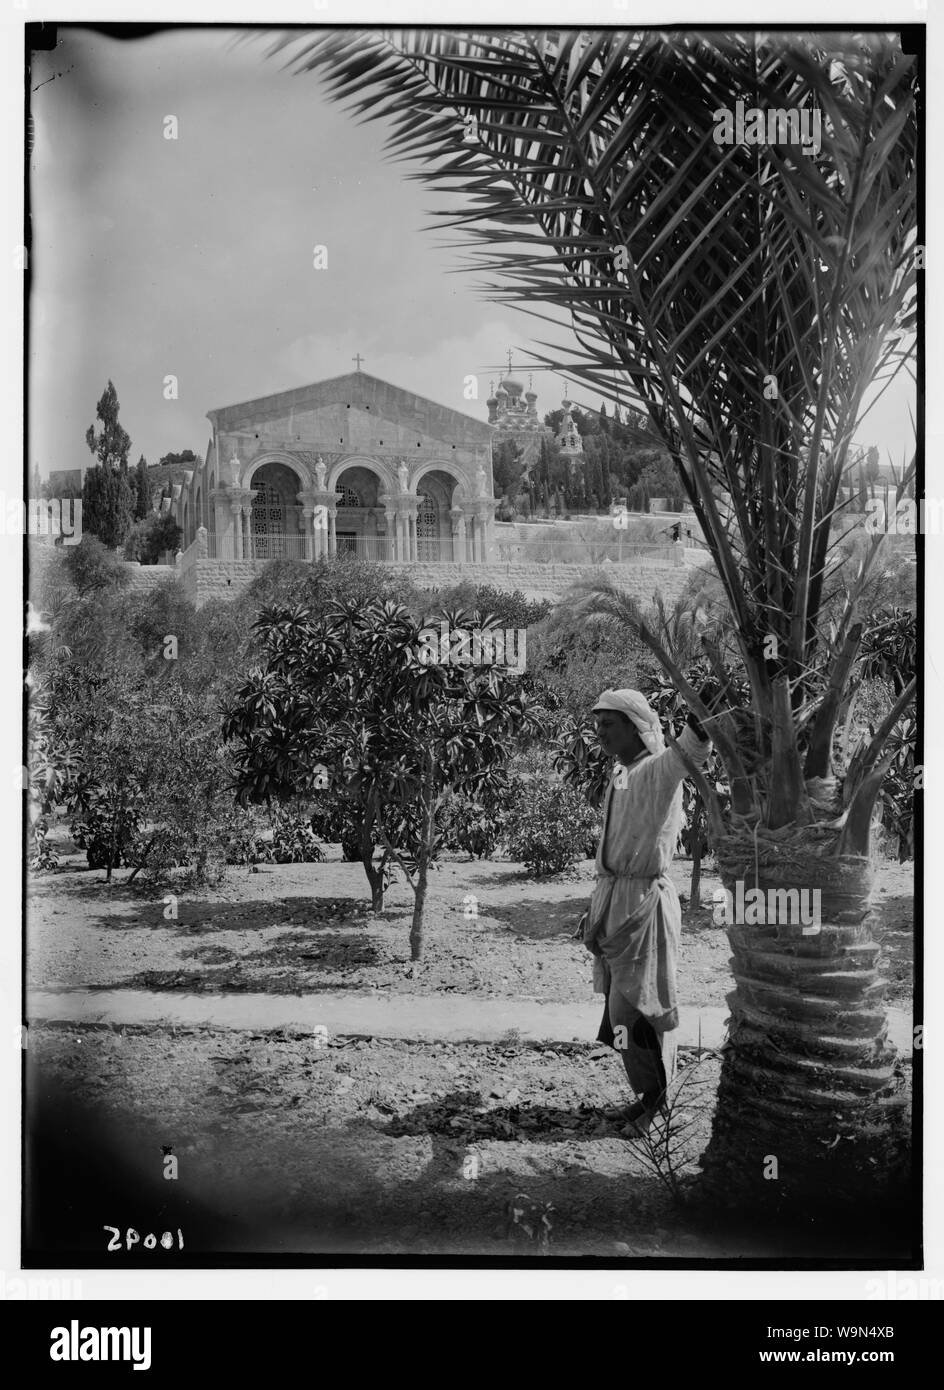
637 708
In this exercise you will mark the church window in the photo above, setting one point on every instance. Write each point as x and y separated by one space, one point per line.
427 528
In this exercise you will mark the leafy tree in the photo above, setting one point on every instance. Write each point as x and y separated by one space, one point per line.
52 764
507 468
67 483
152 538
347 695
184 459
660 479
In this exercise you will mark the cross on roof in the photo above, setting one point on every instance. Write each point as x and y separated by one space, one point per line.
509 359
357 359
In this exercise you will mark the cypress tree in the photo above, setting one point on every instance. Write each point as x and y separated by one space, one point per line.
142 501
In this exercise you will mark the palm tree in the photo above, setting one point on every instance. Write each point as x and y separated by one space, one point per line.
746 296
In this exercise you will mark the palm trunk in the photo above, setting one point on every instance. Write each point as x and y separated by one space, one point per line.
694 892
808 1077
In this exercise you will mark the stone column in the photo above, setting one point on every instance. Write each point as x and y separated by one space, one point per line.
236 509
317 505
488 530
385 519
332 530
456 522
223 523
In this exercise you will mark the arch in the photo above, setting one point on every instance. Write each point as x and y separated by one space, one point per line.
199 518
437 488
373 465
280 456
462 487
360 520
185 526
275 518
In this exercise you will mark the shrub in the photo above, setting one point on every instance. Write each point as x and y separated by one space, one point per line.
108 816
149 539
344 579
293 841
510 609
550 826
241 839
91 565
472 828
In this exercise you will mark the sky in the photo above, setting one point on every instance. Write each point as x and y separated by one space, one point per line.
194 257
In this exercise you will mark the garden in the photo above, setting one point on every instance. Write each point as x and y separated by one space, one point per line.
265 806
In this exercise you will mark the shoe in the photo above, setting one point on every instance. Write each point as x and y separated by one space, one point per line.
638 1125
625 1112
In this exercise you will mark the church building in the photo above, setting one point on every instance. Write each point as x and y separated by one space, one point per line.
353 463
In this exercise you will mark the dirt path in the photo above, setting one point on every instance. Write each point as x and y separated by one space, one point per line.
449 1017
305 928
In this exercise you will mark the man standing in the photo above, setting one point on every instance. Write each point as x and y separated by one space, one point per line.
633 925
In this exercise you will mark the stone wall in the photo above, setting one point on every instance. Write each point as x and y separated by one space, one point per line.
552 581
225 579
203 580
144 578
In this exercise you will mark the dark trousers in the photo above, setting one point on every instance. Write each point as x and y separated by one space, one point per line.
638 1044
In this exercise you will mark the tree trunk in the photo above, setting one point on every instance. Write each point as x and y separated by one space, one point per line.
808 1078
375 877
419 899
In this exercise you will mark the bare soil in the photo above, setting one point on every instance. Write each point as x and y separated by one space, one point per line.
300 1145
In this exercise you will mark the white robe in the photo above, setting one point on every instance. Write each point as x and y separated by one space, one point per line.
635 919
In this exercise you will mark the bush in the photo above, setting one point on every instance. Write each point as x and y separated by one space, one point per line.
91 565
293 841
150 538
108 817
550 826
511 610
241 838
471 828
343 578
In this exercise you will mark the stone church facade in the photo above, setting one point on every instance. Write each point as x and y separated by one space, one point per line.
353 463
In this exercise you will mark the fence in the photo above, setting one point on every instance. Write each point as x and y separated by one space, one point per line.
552 549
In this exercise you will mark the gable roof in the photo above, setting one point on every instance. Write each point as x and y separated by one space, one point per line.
360 388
